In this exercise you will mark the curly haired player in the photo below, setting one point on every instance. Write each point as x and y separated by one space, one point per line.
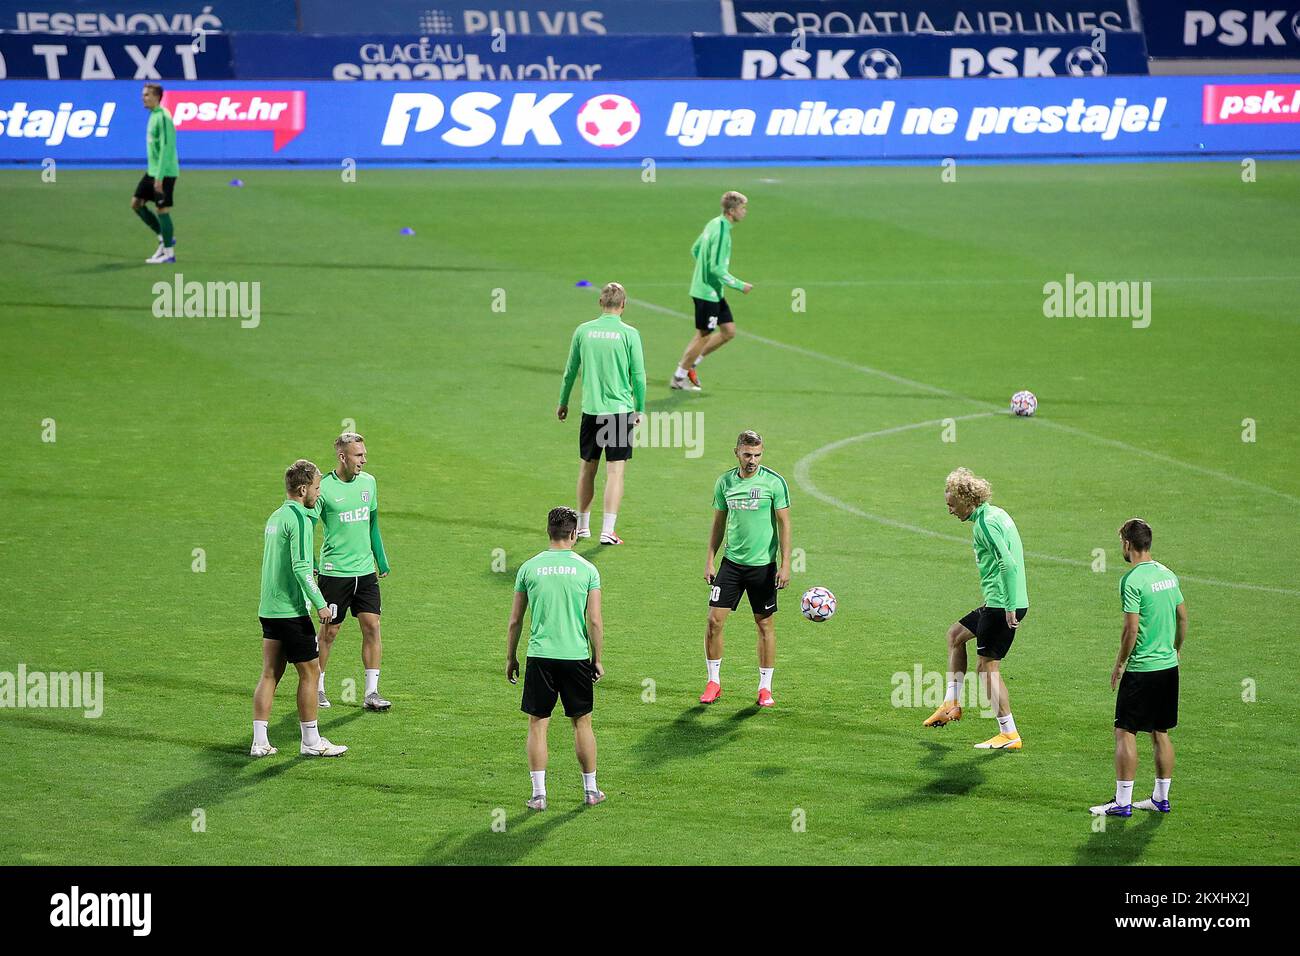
1001 561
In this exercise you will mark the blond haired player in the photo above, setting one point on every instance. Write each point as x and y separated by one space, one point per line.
1000 558
714 326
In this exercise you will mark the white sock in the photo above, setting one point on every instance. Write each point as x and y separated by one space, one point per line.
539 782
954 687
589 781
310 735
1161 791
607 522
259 736
584 520
320 684
1124 792
715 670
698 361
372 680
1007 725
765 678
680 373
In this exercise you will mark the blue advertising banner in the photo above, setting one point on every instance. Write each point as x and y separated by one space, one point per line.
158 56
480 57
1218 30
92 17
875 17
890 57
623 122
545 17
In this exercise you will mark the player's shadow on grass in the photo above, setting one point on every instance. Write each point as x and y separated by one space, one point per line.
524 832
687 736
1123 842
950 775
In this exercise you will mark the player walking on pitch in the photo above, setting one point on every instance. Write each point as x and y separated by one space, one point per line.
1001 561
608 351
287 633
1155 625
752 508
714 326
352 560
158 184
565 640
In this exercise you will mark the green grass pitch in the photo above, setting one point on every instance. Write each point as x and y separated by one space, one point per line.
924 302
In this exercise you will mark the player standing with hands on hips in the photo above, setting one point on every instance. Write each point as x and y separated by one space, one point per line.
1146 671
565 640
752 509
714 326
287 633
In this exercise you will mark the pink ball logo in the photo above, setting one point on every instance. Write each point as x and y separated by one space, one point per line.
608 120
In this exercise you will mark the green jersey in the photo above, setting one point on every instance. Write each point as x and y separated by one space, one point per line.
557 584
1000 557
288 545
712 252
349 513
751 505
1150 590
613 367
160 139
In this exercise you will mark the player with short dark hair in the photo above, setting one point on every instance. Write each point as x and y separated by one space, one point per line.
751 510
287 632
158 184
561 590
714 325
352 560
1146 670
608 351
1000 557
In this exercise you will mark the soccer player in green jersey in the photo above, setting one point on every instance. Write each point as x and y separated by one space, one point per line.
562 591
751 509
352 560
287 633
1146 671
608 351
1000 558
158 184
714 326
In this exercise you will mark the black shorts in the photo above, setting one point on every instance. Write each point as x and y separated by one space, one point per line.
992 636
296 634
146 192
1147 700
709 315
361 594
546 678
611 434
732 580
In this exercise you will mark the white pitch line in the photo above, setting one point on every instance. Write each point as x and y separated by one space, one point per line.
982 280
802 468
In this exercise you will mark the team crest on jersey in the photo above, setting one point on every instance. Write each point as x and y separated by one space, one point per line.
753 492
365 496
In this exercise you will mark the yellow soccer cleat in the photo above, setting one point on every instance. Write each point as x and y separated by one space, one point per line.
948 711
1001 742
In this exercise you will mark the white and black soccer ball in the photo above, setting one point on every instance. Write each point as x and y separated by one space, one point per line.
817 604
608 120
878 64
1024 404
1085 61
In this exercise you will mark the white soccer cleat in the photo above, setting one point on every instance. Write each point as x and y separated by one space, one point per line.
684 383
323 748
262 750
322 701
164 255
584 533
